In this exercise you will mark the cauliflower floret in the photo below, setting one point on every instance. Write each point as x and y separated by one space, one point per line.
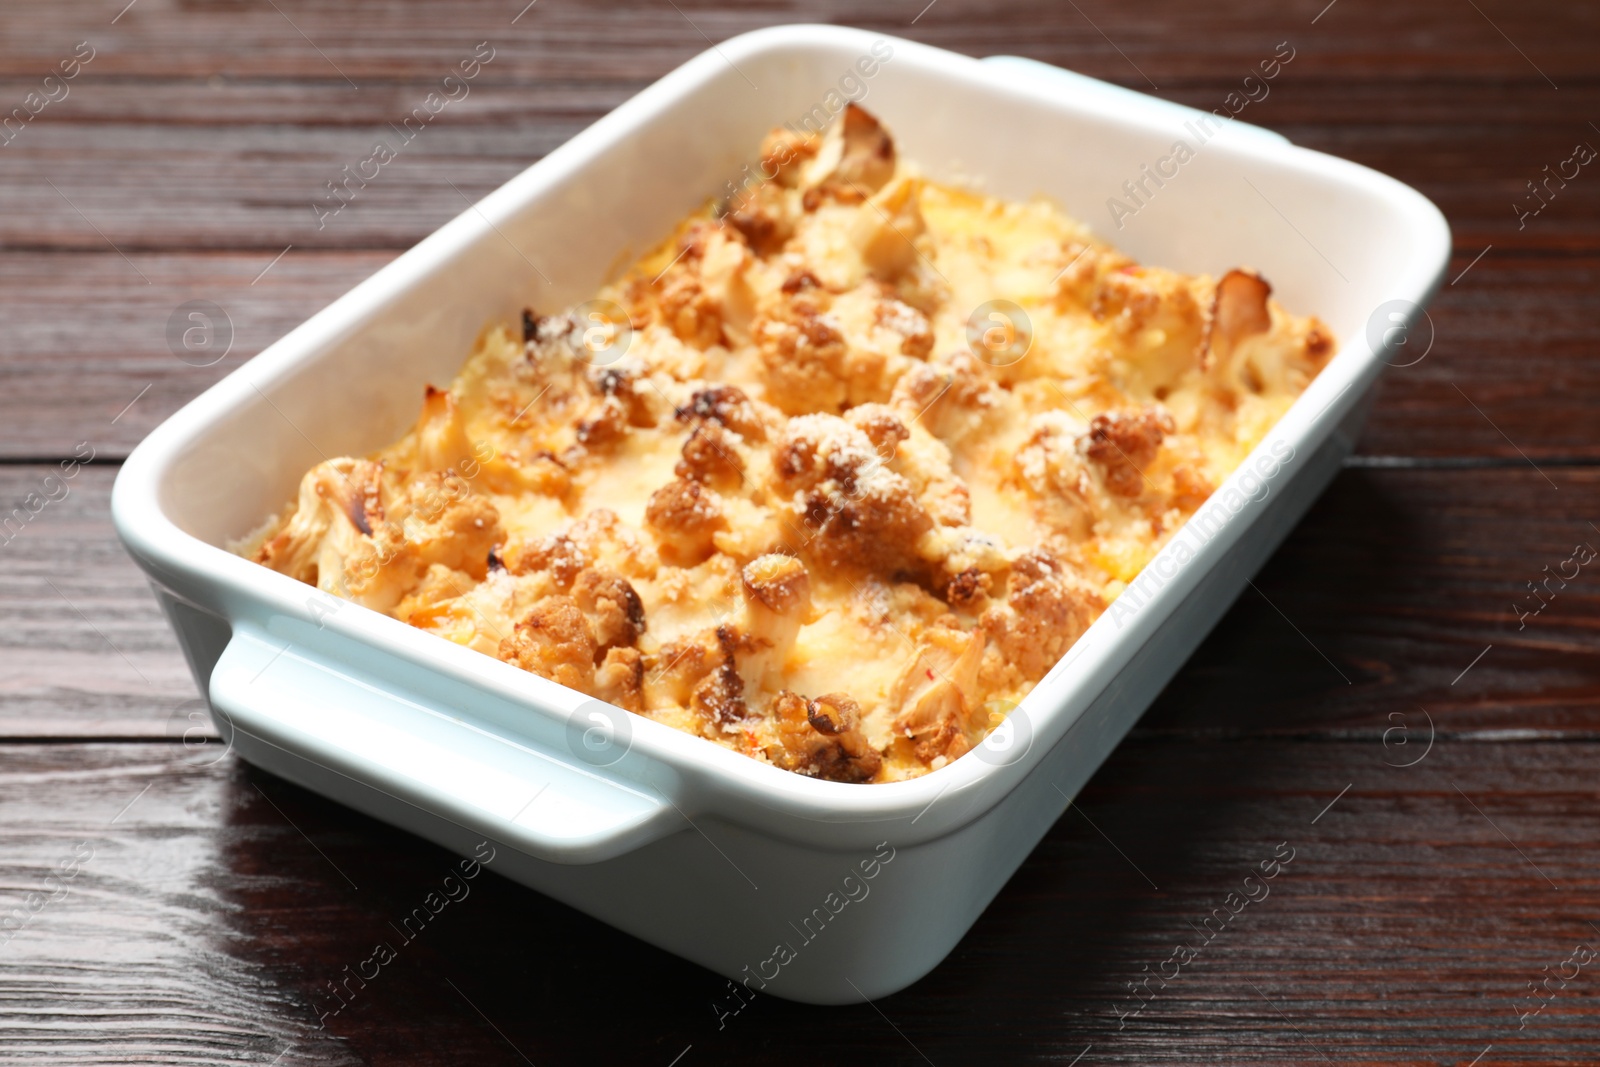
554 642
1122 444
685 517
804 357
1047 608
935 696
777 593
858 512
950 395
822 738
356 535
853 160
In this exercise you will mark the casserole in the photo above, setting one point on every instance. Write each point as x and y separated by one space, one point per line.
812 890
803 485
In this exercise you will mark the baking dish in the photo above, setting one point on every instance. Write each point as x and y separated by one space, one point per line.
806 889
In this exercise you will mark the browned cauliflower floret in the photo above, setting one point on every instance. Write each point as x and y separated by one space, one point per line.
685 516
554 641
822 738
1133 299
626 382
919 457
1046 609
803 358
856 511
1239 310
679 297
950 395
762 216
443 521
551 375
339 502
936 693
559 553
1050 466
777 592
967 589
916 334
711 456
719 698
598 539
691 312
614 610
780 585
620 679
1190 488
604 425
728 407
881 424
355 535
1122 445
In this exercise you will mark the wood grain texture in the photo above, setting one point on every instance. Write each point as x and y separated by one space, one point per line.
86 351
85 651
216 902
213 912
635 39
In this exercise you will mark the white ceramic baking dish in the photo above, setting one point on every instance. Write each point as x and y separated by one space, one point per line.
811 890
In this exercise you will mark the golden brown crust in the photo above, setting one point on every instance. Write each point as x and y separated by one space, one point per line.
859 513
803 358
727 406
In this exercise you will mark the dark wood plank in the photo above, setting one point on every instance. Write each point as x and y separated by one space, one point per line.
1405 928
1399 577
84 347
1394 585
303 40
85 651
1514 371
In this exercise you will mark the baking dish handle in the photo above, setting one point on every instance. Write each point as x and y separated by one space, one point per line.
262 690
1118 98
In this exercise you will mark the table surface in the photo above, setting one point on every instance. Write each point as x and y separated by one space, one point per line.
1430 760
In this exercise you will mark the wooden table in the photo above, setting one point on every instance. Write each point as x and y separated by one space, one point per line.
1376 707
